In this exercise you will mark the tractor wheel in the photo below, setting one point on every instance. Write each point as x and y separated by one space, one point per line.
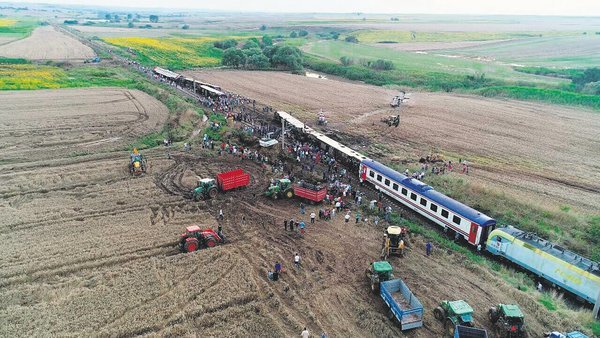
449 328
211 243
493 315
289 194
212 193
191 244
438 313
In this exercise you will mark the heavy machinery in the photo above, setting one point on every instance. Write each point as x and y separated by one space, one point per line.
392 239
379 272
509 321
454 313
208 187
196 238
469 332
574 334
399 99
137 163
392 120
280 188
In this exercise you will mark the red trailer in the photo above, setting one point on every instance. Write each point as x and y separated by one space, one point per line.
233 179
310 192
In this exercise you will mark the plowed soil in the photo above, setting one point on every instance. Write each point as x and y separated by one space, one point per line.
87 250
45 43
546 153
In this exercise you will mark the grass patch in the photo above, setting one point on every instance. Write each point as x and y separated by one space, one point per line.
552 72
147 141
172 52
555 96
13 61
548 302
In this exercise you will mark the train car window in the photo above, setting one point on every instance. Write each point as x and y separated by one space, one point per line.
444 213
423 202
379 178
413 196
404 192
395 187
456 220
371 173
433 207
387 182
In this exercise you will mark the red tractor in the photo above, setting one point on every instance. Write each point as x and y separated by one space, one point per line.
195 238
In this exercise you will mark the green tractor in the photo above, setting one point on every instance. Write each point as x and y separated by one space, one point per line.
509 321
379 272
206 189
453 313
280 188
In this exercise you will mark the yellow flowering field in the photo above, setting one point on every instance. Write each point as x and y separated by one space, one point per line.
172 52
7 22
29 77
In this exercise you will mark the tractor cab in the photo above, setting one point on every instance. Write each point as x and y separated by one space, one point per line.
508 319
206 189
379 272
453 313
279 188
196 238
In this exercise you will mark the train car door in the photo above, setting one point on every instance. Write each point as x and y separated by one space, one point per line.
473 233
363 173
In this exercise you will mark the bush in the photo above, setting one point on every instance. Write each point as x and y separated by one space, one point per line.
263 28
226 44
267 40
352 39
71 22
293 34
185 27
382 65
346 61
287 57
302 33
592 88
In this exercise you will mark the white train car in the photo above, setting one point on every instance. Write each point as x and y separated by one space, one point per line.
423 199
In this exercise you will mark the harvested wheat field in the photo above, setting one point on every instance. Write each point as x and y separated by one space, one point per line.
45 43
547 153
90 251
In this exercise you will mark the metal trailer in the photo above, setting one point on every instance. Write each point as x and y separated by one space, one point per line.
469 332
233 179
402 303
310 194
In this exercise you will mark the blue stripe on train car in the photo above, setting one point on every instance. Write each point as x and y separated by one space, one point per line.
429 193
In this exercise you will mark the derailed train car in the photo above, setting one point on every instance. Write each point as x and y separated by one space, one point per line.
549 261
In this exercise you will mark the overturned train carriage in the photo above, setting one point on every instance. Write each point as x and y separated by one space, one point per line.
561 267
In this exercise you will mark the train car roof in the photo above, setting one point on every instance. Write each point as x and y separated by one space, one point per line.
166 72
212 90
321 137
553 249
431 194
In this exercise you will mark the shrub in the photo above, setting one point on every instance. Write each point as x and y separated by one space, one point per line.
293 34
226 44
352 39
302 33
346 61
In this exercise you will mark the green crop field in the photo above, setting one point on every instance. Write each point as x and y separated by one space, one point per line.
425 63
17 27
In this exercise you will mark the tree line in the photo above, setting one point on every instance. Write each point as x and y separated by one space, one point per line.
260 54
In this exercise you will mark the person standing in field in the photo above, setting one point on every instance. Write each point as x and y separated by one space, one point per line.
312 217
428 248
221 216
347 217
297 260
305 333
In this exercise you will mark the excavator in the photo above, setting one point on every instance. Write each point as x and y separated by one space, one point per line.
393 241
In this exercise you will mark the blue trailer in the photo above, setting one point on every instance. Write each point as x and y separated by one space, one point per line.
402 303
469 332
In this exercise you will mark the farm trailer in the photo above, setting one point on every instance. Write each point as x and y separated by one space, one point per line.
402 303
